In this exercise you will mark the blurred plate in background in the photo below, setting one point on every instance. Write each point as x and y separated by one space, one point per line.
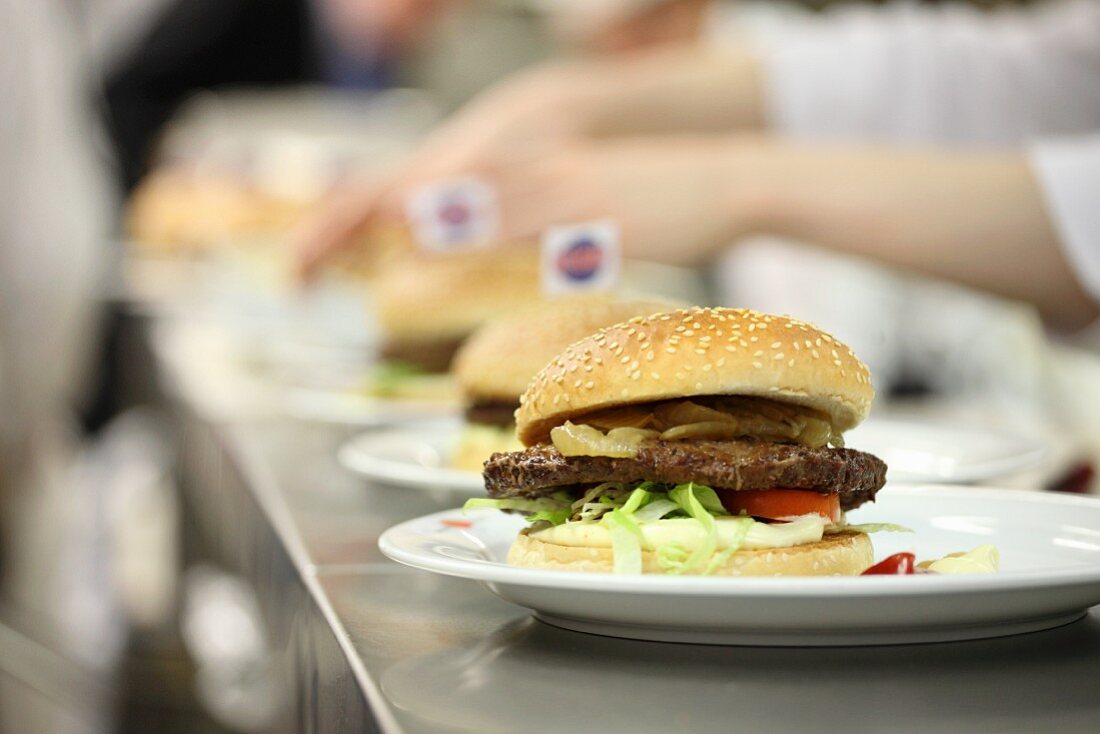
419 456
920 451
416 455
353 409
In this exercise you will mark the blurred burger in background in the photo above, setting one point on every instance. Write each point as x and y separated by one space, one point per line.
494 367
427 305
186 211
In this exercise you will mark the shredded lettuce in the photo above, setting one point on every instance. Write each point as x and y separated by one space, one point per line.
687 496
716 562
557 506
624 507
655 510
869 527
554 517
626 542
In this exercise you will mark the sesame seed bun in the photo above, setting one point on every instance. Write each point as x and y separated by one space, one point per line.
427 298
499 360
840 554
695 352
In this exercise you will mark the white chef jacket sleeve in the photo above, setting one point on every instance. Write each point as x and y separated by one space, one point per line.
945 73
1069 174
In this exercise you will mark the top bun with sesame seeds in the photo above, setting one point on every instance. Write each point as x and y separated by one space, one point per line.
698 352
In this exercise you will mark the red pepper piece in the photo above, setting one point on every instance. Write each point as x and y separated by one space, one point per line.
899 564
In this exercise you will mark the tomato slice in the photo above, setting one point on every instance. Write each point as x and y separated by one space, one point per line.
899 564
781 504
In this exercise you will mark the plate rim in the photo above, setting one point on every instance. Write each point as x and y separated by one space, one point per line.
392 472
464 481
789 587
1032 458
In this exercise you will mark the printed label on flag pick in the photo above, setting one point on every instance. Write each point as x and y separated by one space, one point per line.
454 214
580 257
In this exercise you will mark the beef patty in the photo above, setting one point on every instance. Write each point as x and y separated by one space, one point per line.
500 413
744 464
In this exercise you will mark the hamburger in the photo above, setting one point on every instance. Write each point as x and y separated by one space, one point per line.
702 441
427 305
494 366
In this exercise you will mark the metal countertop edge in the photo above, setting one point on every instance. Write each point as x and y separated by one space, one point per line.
261 482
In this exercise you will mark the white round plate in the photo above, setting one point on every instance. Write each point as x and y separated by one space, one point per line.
1050 575
416 455
924 451
346 408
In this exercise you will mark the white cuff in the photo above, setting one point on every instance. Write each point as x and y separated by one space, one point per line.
1069 175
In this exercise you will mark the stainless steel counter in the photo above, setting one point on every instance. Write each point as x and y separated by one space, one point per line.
362 644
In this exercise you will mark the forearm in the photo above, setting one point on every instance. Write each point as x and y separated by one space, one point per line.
680 91
978 219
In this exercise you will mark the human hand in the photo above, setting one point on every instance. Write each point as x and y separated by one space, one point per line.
518 121
675 199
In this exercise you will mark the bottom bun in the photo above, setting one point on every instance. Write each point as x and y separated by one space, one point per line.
839 554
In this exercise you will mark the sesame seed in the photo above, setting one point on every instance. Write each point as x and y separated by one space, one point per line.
689 332
753 339
797 346
589 385
635 374
778 357
752 326
700 351
624 393
721 362
758 353
625 360
776 345
670 350
649 356
814 352
698 386
791 363
836 362
655 375
757 365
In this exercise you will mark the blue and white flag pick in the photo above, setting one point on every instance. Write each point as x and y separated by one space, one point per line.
454 214
580 258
